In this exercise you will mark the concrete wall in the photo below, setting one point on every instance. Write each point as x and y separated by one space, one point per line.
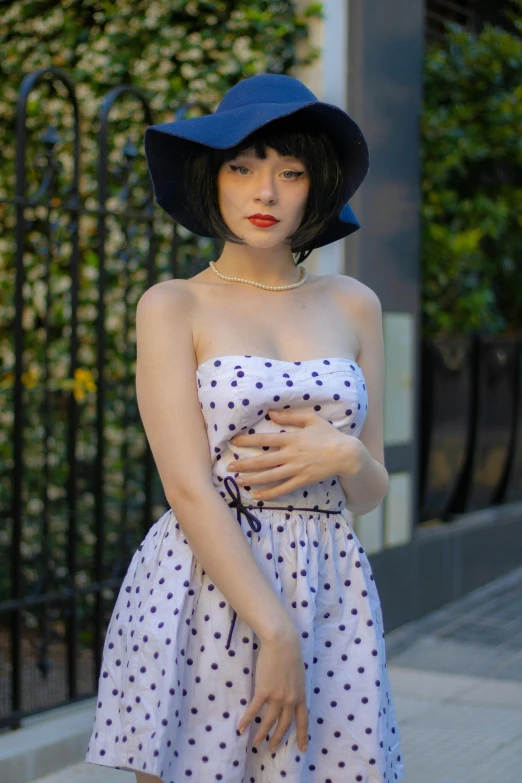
385 54
328 80
371 65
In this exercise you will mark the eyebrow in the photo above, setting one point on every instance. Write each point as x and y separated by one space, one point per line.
252 154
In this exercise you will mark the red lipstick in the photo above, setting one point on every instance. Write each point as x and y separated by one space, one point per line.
262 221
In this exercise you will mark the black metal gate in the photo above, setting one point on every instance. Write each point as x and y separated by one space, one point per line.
78 486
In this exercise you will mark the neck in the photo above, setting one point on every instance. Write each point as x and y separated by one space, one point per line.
271 266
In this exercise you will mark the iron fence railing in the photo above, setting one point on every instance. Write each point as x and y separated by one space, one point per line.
78 485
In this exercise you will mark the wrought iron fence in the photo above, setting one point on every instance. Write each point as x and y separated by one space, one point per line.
78 485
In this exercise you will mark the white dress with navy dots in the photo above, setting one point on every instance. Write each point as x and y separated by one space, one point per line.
178 665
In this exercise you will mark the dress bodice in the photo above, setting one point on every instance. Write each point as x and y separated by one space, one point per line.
236 392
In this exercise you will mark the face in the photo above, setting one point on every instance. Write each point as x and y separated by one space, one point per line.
276 186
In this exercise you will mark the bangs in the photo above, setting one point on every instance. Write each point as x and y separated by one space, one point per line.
285 135
286 141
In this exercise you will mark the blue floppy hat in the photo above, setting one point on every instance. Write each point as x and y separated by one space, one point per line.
247 106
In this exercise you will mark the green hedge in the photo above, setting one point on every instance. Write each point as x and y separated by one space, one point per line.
176 52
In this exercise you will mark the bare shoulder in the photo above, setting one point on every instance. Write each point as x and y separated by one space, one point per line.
360 301
169 298
355 289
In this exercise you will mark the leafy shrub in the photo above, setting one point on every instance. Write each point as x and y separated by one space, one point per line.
472 181
176 53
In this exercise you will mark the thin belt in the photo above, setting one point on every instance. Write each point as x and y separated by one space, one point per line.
254 522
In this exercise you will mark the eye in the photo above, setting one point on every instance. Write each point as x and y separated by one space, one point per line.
294 174
236 168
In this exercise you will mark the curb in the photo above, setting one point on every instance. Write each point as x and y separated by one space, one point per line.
47 742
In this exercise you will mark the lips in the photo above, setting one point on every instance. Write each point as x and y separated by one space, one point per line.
263 221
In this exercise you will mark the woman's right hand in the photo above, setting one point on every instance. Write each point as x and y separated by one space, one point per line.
279 680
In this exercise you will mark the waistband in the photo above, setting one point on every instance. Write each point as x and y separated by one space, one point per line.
233 490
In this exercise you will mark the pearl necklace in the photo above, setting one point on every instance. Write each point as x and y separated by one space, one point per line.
261 285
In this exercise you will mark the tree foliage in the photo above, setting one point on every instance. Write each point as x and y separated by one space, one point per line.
472 180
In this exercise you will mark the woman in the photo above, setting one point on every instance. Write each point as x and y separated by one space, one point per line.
255 652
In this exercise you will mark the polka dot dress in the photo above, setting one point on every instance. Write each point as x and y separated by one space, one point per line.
178 666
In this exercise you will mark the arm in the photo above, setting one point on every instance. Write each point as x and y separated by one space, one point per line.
367 486
169 407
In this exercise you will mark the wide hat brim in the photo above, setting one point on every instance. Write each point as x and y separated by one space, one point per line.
166 146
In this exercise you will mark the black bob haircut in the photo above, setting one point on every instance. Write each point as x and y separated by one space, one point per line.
307 141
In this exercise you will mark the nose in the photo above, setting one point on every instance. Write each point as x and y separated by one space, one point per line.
265 190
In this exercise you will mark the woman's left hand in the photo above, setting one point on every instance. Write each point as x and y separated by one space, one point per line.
305 456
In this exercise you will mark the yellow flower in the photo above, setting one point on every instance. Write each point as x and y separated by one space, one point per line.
83 382
30 378
7 380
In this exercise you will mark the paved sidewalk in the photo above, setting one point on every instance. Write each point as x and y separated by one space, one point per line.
456 677
480 634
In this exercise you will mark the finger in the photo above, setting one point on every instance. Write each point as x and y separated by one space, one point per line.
256 463
261 439
270 717
283 724
266 476
282 489
299 418
301 725
254 708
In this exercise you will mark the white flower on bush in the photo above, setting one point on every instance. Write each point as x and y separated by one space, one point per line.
153 14
229 67
165 66
88 312
241 48
159 85
113 323
191 54
39 296
208 43
55 492
188 71
100 44
90 272
198 85
192 8
141 67
35 505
